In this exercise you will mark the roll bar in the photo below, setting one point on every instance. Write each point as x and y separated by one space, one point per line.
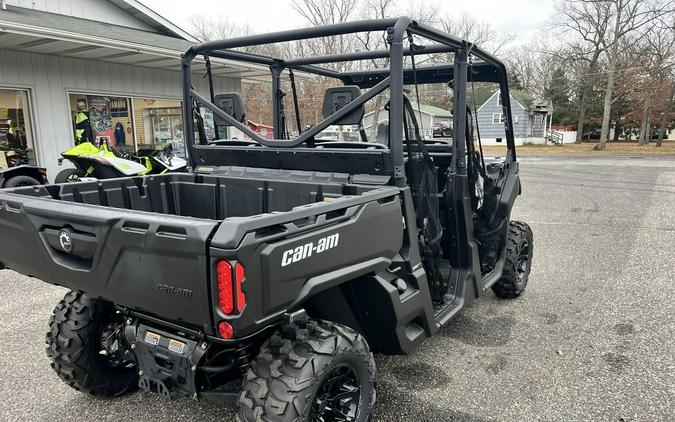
488 69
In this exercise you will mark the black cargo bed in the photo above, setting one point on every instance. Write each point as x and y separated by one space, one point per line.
143 242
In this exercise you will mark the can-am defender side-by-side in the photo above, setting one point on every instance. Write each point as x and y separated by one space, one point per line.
270 273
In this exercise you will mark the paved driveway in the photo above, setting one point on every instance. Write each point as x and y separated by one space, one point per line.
593 338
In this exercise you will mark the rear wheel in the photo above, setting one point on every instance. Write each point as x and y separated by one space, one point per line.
18 181
321 372
86 347
519 248
69 175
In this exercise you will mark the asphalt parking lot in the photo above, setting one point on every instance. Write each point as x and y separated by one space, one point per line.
593 337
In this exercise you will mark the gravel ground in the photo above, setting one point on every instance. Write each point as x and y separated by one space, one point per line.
593 337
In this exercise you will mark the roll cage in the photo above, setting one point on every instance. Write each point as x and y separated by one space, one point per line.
390 162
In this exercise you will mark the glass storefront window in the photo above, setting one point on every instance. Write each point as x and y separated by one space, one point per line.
16 130
159 122
128 123
101 118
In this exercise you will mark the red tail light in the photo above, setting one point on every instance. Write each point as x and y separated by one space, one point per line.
225 330
225 288
239 275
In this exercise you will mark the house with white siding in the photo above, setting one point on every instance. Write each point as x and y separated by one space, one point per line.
117 56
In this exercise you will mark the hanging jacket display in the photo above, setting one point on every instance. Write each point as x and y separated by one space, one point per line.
120 135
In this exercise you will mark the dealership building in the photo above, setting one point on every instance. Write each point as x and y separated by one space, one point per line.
117 56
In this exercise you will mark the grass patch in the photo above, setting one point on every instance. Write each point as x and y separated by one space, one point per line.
668 148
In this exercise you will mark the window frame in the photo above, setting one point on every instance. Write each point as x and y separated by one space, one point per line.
500 121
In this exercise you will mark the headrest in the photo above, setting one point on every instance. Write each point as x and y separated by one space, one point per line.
232 104
339 96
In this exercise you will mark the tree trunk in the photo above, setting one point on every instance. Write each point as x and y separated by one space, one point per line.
607 107
617 127
584 97
609 89
666 115
644 126
582 116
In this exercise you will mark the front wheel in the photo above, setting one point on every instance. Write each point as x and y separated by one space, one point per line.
519 248
86 347
19 181
69 175
320 372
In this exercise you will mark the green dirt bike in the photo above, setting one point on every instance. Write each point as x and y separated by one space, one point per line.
104 162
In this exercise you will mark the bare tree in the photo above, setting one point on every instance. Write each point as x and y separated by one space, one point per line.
376 9
478 32
423 12
666 113
208 28
660 45
527 64
585 23
625 18
650 76
327 12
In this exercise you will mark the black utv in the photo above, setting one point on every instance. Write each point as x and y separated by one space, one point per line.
270 273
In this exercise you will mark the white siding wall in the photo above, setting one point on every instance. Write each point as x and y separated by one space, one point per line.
99 10
49 78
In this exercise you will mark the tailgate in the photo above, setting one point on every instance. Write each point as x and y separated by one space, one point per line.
154 263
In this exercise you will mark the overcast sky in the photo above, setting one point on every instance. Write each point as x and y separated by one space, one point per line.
521 18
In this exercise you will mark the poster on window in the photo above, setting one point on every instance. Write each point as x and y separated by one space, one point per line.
118 107
100 118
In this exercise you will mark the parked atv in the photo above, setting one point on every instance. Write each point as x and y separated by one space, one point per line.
106 162
16 171
270 274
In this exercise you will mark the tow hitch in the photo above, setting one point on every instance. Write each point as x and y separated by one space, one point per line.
167 364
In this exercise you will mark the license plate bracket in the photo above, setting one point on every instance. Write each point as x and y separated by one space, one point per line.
167 363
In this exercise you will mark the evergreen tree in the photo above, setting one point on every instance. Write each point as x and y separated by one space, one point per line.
558 91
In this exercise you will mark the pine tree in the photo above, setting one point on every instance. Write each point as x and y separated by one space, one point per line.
558 91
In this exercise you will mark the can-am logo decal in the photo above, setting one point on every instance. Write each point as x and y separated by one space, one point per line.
65 241
305 251
176 291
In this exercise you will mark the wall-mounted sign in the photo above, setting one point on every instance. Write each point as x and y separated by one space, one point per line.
119 107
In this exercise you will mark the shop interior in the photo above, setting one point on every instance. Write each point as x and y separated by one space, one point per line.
16 132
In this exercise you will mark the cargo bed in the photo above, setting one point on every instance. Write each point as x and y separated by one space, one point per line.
146 243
